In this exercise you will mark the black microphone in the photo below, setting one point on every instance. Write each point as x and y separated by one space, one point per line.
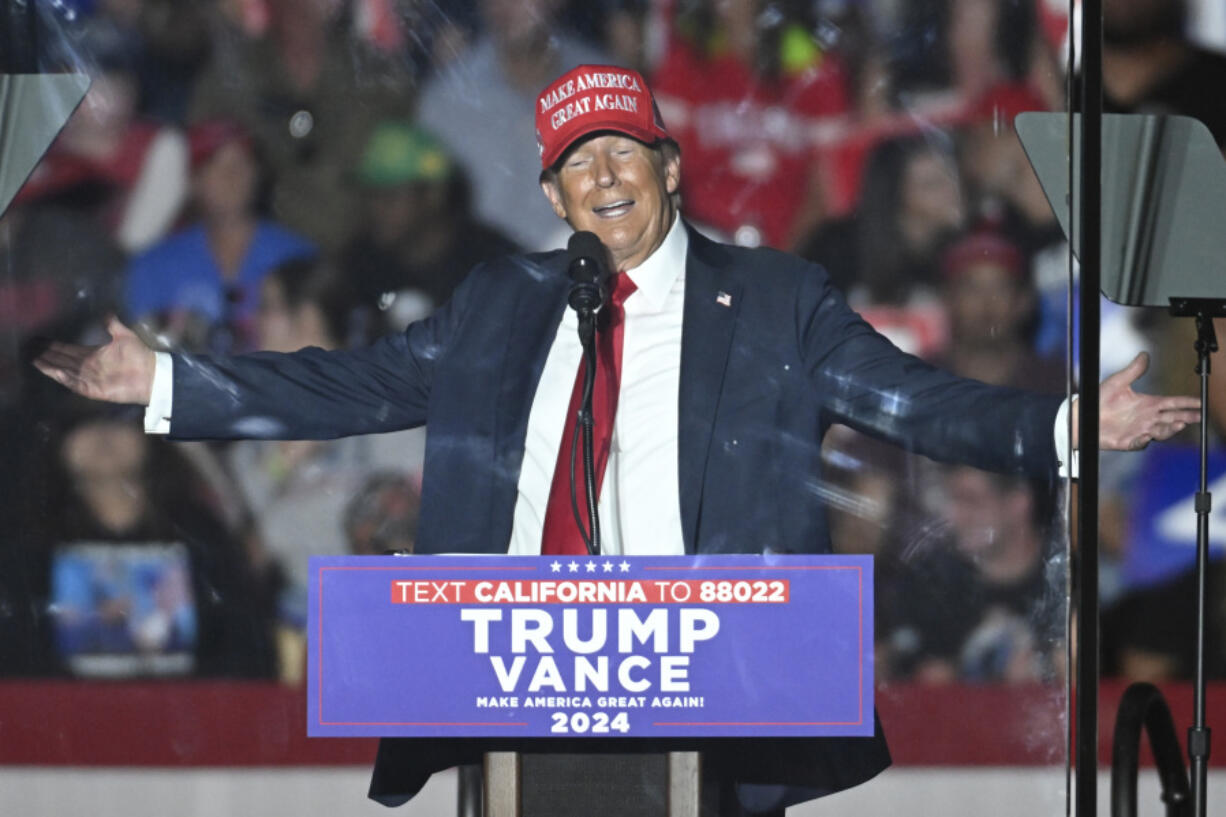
588 271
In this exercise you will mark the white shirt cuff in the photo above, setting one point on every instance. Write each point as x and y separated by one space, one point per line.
1067 460
161 398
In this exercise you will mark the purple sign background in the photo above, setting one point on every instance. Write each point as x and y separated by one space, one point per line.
709 646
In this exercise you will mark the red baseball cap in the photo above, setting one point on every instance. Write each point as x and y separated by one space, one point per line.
205 138
594 98
983 247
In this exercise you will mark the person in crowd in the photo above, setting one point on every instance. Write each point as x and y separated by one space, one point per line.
382 516
991 304
1005 195
110 496
718 427
128 173
497 80
309 93
170 42
1002 188
420 236
296 490
887 499
886 256
431 35
1150 66
947 53
978 604
48 287
200 287
1149 634
984 627
625 28
50 283
745 100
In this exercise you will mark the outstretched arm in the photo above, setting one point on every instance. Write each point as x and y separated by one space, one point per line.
308 394
872 386
119 371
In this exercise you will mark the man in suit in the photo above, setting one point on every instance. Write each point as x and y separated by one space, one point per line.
732 364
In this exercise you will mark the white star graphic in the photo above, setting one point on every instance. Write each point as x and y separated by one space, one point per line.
625 567
607 567
591 567
556 566
573 567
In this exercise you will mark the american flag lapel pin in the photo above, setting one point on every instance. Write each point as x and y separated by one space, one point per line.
723 299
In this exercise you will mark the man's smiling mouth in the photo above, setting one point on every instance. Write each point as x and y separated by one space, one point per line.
614 209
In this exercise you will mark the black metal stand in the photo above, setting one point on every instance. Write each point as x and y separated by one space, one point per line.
1204 310
1144 709
583 430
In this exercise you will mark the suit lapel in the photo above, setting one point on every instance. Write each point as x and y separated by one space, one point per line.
534 318
712 300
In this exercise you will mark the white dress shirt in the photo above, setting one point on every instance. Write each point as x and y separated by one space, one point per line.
640 498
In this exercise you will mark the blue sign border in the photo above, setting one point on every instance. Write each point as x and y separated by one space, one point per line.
385 666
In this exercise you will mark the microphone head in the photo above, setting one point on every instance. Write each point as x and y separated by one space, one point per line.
587 258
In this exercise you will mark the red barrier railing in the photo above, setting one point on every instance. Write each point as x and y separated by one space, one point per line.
51 723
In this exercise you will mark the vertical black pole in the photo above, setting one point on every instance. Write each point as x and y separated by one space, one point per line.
1073 92
1198 735
1086 586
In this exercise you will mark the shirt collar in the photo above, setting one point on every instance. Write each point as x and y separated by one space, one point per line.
655 276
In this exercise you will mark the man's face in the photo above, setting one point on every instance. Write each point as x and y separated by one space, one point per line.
226 183
986 304
985 515
619 189
402 213
1135 22
930 192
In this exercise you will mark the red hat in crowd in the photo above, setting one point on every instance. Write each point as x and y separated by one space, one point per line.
982 248
594 98
206 138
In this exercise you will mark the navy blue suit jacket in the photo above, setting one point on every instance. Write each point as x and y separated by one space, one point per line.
770 356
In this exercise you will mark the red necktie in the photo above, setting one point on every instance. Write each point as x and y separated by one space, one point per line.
561 535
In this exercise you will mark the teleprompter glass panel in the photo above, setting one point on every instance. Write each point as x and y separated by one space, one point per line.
263 176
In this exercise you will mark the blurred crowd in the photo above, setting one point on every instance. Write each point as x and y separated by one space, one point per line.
264 175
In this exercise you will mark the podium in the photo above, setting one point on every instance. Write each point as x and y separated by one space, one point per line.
591 685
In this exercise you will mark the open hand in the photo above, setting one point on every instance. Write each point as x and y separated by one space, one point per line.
120 371
1129 420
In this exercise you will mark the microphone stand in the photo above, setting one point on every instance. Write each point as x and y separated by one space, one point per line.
1204 310
587 295
583 427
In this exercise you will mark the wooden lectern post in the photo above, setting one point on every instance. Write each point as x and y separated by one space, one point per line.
595 785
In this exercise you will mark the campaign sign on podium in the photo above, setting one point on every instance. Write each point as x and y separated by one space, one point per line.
542 646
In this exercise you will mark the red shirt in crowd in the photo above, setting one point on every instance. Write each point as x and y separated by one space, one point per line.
751 147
